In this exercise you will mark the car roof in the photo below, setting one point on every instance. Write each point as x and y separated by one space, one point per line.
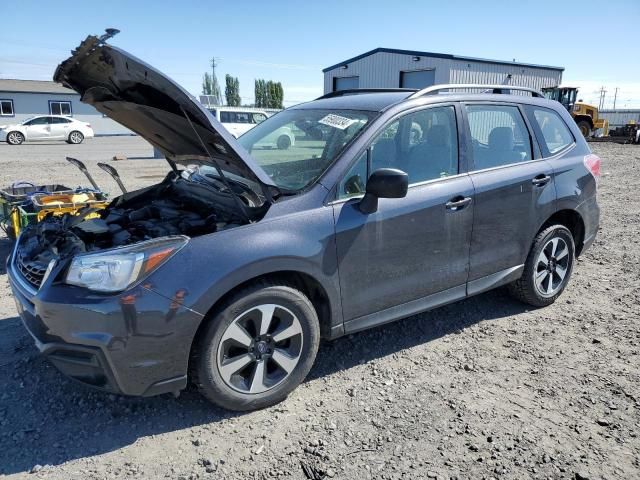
381 101
364 101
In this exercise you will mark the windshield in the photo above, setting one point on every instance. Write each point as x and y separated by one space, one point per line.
295 146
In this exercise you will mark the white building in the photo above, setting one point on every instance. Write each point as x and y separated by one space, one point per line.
22 99
392 68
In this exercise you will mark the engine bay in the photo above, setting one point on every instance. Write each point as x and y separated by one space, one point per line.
185 203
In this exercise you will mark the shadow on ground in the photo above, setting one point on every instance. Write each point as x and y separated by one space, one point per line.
47 419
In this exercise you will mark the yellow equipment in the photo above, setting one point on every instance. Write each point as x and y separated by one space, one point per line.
41 205
586 116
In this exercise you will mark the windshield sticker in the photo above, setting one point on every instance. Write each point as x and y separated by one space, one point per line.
336 121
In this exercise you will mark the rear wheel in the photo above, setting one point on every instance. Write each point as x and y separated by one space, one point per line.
547 269
75 137
585 128
257 348
284 142
15 138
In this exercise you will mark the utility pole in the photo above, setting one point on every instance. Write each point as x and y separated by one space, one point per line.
602 97
217 95
615 97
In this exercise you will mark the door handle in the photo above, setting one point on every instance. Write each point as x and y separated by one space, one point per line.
541 180
457 203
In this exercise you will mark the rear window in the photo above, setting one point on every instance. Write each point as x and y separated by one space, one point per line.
499 135
555 133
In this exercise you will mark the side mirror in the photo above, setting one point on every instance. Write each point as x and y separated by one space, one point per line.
383 183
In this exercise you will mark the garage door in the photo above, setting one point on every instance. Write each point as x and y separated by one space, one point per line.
345 83
417 79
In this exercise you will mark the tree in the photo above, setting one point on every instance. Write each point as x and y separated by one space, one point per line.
232 91
269 94
207 86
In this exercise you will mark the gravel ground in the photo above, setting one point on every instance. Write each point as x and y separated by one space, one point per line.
485 388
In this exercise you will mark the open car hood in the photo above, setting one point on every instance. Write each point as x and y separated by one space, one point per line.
149 103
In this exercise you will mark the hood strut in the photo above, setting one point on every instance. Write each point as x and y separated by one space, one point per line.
217 167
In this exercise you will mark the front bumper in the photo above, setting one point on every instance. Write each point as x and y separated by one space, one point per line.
133 343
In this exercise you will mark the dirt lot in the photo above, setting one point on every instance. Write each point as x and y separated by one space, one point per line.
485 388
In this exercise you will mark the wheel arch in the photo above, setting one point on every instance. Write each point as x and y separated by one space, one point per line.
302 281
573 221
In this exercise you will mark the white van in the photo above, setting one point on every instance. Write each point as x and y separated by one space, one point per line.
238 120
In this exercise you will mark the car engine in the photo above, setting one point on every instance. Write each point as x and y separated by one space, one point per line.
186 203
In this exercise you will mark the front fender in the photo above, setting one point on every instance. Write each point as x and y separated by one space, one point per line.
211 265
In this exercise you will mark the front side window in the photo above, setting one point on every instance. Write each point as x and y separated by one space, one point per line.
37 121
6 108
296 146
227 117
423 144
555 132
258 117
59 107
499 135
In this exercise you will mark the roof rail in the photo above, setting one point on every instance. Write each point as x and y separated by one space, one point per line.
487 88
357 91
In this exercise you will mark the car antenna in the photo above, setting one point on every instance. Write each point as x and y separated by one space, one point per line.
217 167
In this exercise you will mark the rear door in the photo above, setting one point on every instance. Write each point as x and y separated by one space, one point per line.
514 190
38 129
60 128
412 247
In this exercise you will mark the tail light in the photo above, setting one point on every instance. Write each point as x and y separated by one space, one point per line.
592 162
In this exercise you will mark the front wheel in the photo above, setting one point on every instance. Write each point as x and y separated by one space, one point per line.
585 128
75 137
284 142
547 269
257 348
15 138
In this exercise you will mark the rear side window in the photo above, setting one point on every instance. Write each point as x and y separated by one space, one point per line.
499 135
555 133
60 120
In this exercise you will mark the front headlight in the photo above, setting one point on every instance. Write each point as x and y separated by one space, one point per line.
117 269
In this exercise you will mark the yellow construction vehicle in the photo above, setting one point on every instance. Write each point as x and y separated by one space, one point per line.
586 116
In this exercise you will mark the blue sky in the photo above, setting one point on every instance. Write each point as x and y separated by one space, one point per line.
291 41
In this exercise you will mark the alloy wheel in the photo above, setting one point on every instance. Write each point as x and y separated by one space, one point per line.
15 138
260 349
552 267
75 137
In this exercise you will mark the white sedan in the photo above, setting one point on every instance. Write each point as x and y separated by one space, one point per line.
46 127
282 138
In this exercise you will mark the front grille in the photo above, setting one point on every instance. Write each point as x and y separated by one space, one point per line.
32 272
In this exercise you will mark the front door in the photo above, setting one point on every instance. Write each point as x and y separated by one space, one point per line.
412 247
38 129
514 191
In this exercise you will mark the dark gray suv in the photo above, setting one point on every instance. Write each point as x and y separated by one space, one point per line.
231 270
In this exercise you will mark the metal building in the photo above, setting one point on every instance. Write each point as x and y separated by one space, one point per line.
392 68
22 99
621 117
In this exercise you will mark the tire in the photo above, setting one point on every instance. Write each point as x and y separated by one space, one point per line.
15 138
284 142
218 353
75 138
585 128
538 293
